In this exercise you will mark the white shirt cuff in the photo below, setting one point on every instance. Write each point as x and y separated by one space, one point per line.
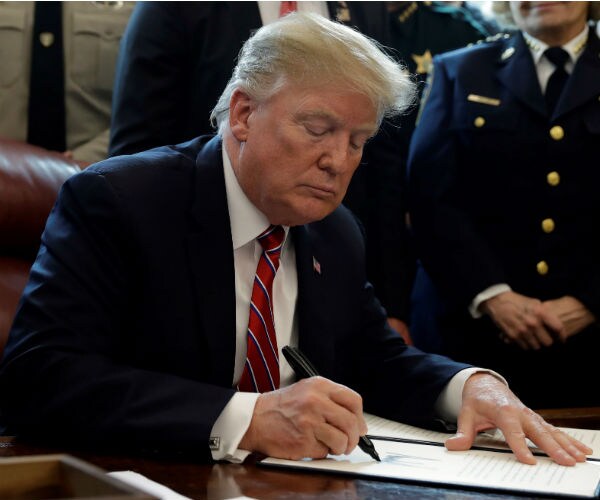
488 293
449 401
229 429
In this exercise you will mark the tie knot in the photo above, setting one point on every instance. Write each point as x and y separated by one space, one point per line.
272 238
557 56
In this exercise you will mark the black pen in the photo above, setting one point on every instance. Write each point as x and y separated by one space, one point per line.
304 369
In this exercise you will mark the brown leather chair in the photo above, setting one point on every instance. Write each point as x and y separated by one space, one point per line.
30 178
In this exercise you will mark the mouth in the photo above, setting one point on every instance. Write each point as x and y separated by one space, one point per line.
321 191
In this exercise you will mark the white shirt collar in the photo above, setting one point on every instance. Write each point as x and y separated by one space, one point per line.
573 47
246 221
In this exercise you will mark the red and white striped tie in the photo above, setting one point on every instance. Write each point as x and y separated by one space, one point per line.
261 371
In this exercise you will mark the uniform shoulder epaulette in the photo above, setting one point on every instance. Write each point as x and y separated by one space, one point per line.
497 36
493 38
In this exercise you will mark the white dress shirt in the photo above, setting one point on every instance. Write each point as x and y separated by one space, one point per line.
544 69
247 223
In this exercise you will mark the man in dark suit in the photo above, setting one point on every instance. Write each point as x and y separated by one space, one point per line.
133 330
176 58
504 204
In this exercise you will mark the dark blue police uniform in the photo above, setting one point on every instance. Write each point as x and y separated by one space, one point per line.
502 191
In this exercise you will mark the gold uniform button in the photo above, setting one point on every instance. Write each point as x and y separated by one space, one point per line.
557 132
542 267
479 121
553 178
548 225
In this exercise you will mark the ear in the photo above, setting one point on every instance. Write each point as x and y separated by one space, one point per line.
241 107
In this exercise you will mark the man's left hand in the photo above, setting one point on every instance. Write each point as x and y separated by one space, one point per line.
488 403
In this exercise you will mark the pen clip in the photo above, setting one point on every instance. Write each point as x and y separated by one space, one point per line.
299 362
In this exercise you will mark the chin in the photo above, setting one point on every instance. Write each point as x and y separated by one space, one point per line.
305 215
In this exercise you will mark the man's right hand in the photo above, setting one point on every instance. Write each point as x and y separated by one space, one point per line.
310 418
524 320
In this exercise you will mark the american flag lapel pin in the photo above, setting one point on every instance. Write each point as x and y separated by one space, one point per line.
316 266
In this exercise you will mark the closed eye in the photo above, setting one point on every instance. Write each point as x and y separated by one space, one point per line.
359 143
316 131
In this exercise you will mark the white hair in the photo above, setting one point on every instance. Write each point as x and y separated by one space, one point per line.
308 49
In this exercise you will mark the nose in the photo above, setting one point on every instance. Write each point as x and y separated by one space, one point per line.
336 157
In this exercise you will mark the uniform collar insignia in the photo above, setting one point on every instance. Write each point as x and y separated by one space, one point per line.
507 53
580 46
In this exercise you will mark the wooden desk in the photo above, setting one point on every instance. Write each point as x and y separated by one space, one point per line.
219 481
582 418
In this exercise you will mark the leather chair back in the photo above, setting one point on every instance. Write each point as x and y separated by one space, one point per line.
30 178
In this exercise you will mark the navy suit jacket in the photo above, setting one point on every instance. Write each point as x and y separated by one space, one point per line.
125 335
489 167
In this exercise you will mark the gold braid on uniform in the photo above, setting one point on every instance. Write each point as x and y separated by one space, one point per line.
407 12
492 38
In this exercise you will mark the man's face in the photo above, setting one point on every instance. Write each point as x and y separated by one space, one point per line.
543 19
299 149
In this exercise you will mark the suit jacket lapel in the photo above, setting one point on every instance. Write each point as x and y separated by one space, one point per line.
584 83
314 320
210 253
518 74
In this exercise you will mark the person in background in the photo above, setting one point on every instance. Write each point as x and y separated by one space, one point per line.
502 196
176 57
415 31
168 282
58 62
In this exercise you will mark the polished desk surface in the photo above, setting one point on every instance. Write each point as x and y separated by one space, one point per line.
220 481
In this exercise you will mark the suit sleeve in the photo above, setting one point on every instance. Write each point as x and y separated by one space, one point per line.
399 382
67 371
452 252
396 381
150 89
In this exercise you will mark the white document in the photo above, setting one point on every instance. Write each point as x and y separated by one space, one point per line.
474 468
384 428
415 454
